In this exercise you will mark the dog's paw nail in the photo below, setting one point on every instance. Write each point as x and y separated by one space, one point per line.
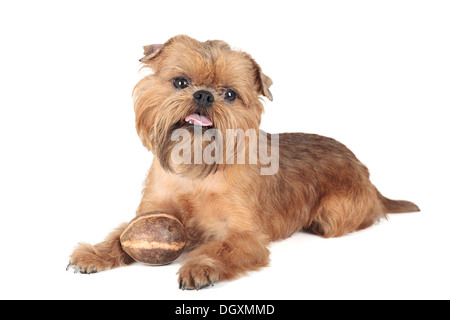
76 269
194 276
68 266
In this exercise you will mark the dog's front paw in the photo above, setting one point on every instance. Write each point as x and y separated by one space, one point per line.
86 259
197 275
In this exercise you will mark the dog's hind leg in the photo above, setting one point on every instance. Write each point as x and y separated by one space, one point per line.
339 213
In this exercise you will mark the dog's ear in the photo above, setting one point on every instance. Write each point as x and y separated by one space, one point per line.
266 82
154 50
150 52
263 81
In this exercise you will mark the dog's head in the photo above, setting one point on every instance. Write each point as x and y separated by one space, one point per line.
196 86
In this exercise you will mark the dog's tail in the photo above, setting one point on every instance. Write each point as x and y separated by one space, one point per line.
397 206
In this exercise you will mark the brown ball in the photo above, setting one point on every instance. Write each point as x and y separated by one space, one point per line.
154 238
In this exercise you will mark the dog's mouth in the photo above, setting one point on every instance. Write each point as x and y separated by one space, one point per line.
196 119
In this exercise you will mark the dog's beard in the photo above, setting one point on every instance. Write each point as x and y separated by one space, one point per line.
201 148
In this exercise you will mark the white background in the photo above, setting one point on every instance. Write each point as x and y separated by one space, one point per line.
374 75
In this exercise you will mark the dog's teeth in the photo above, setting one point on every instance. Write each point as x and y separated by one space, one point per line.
190 122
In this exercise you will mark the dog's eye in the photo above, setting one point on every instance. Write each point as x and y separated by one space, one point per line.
230 95
180 83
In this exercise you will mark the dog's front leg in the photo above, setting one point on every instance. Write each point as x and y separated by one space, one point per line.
87 258
224 260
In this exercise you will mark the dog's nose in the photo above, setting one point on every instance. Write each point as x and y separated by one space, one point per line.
203 98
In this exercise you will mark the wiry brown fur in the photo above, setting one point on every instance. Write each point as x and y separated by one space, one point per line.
231 212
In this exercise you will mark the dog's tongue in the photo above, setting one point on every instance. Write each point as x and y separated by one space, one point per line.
198 120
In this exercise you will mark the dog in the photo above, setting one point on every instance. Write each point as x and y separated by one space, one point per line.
232 210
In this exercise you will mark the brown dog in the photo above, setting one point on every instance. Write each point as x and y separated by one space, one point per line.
232 205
